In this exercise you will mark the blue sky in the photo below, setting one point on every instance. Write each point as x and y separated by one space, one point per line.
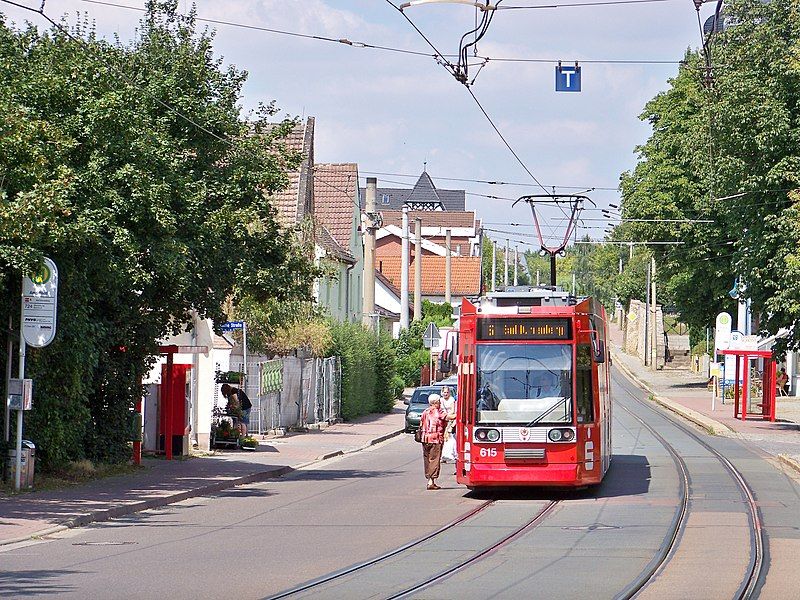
391 112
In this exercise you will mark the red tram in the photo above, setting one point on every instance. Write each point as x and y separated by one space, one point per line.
534 407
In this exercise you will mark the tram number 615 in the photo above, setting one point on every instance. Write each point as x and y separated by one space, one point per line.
488 452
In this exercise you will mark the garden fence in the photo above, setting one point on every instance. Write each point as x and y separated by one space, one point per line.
293 392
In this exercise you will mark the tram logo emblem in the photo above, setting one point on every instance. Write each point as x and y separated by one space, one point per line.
524 434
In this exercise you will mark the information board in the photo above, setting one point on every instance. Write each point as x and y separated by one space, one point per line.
525 328
39 304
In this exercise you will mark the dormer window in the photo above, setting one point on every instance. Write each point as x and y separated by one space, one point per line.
385 199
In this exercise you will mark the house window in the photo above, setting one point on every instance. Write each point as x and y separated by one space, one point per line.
385 199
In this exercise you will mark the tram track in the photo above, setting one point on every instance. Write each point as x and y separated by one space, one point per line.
748 586
316 584
541 516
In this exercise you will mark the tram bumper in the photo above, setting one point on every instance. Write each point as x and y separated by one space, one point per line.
505 475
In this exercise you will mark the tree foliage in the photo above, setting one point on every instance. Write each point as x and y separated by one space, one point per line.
728 153
131 166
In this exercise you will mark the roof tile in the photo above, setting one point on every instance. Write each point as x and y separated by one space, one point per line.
465 271
335 189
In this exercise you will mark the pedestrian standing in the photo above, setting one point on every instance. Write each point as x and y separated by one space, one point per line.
239 406
780 382
449 406
432 424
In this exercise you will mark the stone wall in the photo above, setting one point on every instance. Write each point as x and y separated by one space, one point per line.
635 331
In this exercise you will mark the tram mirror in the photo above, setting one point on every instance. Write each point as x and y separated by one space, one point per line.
600 353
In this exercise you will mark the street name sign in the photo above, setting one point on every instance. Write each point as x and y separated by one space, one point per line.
568 79
231 325
39 305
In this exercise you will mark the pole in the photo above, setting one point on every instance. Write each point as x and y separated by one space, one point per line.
538 276
516 262
654 305
553 269
505 274
244 356
368 293
647 318
494 264
630 255
9 352
448 266
417 268
168 416
404 260
574 289
22 344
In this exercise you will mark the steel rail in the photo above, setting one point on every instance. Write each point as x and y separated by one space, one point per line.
372 561
540 516
748 586
669 545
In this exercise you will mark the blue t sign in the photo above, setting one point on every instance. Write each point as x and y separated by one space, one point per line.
568 79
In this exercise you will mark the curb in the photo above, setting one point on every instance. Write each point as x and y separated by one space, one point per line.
789 461
706 423
115 512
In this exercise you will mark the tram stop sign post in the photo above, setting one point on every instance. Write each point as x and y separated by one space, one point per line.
431 336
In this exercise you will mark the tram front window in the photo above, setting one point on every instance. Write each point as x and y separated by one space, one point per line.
524 384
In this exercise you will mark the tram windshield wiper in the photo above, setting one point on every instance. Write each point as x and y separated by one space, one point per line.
547 412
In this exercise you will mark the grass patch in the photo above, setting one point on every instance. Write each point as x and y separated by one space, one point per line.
75 474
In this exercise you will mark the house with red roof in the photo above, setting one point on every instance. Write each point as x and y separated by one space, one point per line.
328 195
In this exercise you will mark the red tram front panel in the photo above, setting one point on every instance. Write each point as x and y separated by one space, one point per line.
533 404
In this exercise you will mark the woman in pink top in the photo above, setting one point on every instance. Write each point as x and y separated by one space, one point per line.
432 424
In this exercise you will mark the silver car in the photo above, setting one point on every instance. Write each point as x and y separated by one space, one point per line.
419 402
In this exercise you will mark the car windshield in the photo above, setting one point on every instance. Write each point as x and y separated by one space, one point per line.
421 394
524 383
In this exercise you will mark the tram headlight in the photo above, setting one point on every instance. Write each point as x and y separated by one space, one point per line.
487 435
564 434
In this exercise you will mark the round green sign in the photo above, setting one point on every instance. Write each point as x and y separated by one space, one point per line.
43 276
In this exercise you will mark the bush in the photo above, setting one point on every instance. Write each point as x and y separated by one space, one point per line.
369 369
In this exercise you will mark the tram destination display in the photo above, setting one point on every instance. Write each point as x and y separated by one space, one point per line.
524 329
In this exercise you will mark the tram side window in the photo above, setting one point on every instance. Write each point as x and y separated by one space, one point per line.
583 380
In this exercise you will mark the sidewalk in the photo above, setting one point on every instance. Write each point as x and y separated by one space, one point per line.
160 482
686 394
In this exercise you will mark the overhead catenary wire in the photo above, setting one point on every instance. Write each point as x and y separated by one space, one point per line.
493 182
577 4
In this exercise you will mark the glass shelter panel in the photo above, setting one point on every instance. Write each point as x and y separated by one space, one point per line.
524 384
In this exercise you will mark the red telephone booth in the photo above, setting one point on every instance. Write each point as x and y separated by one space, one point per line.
173 414
741 392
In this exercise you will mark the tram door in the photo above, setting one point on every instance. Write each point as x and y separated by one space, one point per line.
589 450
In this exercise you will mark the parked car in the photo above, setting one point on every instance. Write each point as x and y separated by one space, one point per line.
419 402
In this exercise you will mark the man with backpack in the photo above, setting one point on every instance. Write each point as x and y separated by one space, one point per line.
239 405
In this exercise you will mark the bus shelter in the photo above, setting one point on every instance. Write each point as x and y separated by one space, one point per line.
746 391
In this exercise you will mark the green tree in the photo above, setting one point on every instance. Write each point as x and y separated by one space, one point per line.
132 167
727 153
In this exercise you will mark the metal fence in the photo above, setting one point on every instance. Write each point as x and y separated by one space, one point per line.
293 392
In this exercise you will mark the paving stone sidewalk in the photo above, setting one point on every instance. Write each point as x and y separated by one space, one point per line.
687 394
160 482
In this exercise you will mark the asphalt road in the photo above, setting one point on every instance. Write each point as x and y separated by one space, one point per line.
257 540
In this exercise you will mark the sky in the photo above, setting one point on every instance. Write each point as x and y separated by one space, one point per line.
393 112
